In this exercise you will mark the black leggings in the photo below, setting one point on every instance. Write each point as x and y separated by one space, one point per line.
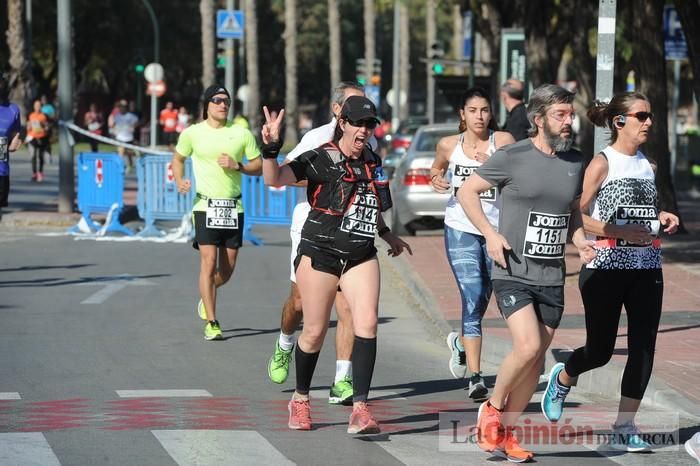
604 292
39 146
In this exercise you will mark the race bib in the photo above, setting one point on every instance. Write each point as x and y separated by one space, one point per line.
545 237
222 213
462 172
4 149
361 217
94 126
170 123
637 214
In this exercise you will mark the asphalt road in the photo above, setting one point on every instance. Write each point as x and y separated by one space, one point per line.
102 362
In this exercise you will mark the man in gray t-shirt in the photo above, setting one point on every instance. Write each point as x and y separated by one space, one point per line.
540 180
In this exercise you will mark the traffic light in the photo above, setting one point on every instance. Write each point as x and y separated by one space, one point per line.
376 78
437 52
361 71
221 54
139 68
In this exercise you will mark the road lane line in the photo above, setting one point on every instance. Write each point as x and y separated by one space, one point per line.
162 393
26 449
214 447
10 396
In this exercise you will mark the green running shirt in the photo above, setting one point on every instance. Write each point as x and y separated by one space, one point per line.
205 144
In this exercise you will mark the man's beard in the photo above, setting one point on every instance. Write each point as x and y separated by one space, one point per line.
555 141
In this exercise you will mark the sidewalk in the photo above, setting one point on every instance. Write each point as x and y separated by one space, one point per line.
675 382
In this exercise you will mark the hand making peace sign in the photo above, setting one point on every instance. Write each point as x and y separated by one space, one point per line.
271 128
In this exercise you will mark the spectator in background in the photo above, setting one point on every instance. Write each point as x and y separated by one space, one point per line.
517 124
38 138
183 120
168 122
122 127
93 122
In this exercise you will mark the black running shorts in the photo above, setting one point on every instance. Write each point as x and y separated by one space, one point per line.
231 239
325 261
548 301
4 190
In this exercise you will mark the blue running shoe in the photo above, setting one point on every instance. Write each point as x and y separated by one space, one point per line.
554 396
626 437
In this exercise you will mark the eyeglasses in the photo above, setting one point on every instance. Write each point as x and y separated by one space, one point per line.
641 116
220 100
368 123
562 116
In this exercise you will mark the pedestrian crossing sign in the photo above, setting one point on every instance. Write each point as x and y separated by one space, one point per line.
229 24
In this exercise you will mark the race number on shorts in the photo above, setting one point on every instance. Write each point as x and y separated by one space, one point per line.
361 217
637 214
462 172
545 237
4 149
222 213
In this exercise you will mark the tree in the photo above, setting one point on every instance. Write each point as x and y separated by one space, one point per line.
290 53
405 60
689 14
206 10
251 56
369 17
649 57
334 56
19 79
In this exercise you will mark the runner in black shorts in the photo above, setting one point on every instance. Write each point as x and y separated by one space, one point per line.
337 248
217 148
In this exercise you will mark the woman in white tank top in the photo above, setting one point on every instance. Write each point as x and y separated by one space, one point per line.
457 157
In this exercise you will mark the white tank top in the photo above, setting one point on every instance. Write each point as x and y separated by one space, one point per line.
461 168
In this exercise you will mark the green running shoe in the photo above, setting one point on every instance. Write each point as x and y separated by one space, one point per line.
341 392
278 366
212 331
201 310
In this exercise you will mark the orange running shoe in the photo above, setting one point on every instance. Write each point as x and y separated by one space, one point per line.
511 450
362 421
489 431
299 414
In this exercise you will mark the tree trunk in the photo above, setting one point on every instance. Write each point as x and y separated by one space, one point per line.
648 49
457 35
488 21
206 10
20 78
369 18
689 14
334 45
290 53
405 60
251 56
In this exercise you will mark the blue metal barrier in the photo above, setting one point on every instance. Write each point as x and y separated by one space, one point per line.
158 198
266 205
101 186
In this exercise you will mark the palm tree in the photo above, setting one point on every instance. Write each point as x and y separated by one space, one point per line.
334 46
251 55
290 53
20 78
206 10
369 20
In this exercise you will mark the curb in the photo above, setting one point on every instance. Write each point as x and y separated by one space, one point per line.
38 219
603 381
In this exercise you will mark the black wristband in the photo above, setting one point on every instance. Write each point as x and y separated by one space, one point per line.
271 150
383 231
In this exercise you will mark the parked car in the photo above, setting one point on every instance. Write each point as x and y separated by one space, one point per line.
416 205
390 162
401 139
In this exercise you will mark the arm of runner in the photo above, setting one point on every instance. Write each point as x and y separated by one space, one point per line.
15 144
273 173
468 197
183 184
578 236
253 167
441 164
669 221
396 244
593 179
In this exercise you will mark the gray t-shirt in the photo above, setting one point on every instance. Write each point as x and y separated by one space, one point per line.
537 192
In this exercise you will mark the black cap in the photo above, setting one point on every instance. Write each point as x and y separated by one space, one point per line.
210 92
357 108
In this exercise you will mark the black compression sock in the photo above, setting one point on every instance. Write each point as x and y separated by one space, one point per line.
364 353
305 367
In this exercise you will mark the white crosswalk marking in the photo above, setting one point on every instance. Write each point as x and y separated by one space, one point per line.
214 447
10 396
421 449
26 449
162 393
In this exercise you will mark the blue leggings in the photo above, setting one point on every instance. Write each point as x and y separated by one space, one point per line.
471 266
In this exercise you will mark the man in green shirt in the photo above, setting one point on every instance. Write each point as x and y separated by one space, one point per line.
217 147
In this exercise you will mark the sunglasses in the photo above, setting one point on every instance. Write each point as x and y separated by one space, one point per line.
641 116
562 116
220 100
368 123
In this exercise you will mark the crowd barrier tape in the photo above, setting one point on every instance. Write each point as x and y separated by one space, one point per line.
158 197
100 190
77 129
267 205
